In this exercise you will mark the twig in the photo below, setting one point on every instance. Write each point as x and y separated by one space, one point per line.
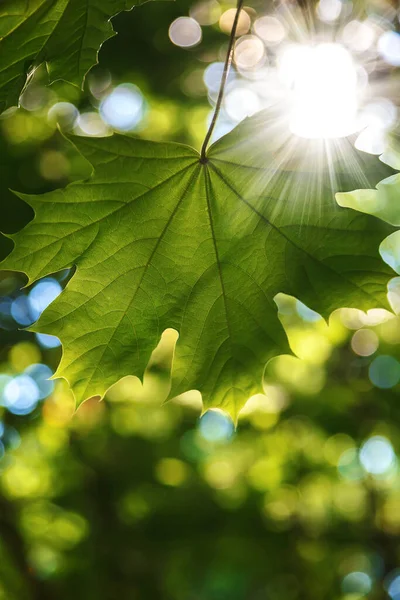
228 61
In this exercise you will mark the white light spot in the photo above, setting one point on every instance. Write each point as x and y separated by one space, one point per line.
91 124
213 75
358 35
364 342
389 47
375 316
241 103
21 395
270 29
249 52
329 10
185 32
377 455
123 108
63 113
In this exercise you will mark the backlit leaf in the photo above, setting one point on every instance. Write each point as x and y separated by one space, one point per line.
161 240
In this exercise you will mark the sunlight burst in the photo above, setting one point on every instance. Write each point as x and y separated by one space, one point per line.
325 92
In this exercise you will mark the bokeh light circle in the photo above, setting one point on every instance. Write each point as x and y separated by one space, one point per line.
270 29
185 32
384 372
377 455
216 426
123 108
21 395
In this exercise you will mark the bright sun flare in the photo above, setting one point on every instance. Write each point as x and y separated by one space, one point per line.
325 98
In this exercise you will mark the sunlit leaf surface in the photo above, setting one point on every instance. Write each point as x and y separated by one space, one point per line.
161 240
381 202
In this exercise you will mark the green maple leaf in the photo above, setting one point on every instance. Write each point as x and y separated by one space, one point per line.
382 202
162 240
67 34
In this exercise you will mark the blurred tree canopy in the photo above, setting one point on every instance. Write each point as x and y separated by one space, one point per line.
130 498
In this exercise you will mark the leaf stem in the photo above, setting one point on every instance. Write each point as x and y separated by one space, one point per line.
227 65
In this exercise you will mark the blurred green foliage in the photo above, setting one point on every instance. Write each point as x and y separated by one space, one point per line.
132 499
129 498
